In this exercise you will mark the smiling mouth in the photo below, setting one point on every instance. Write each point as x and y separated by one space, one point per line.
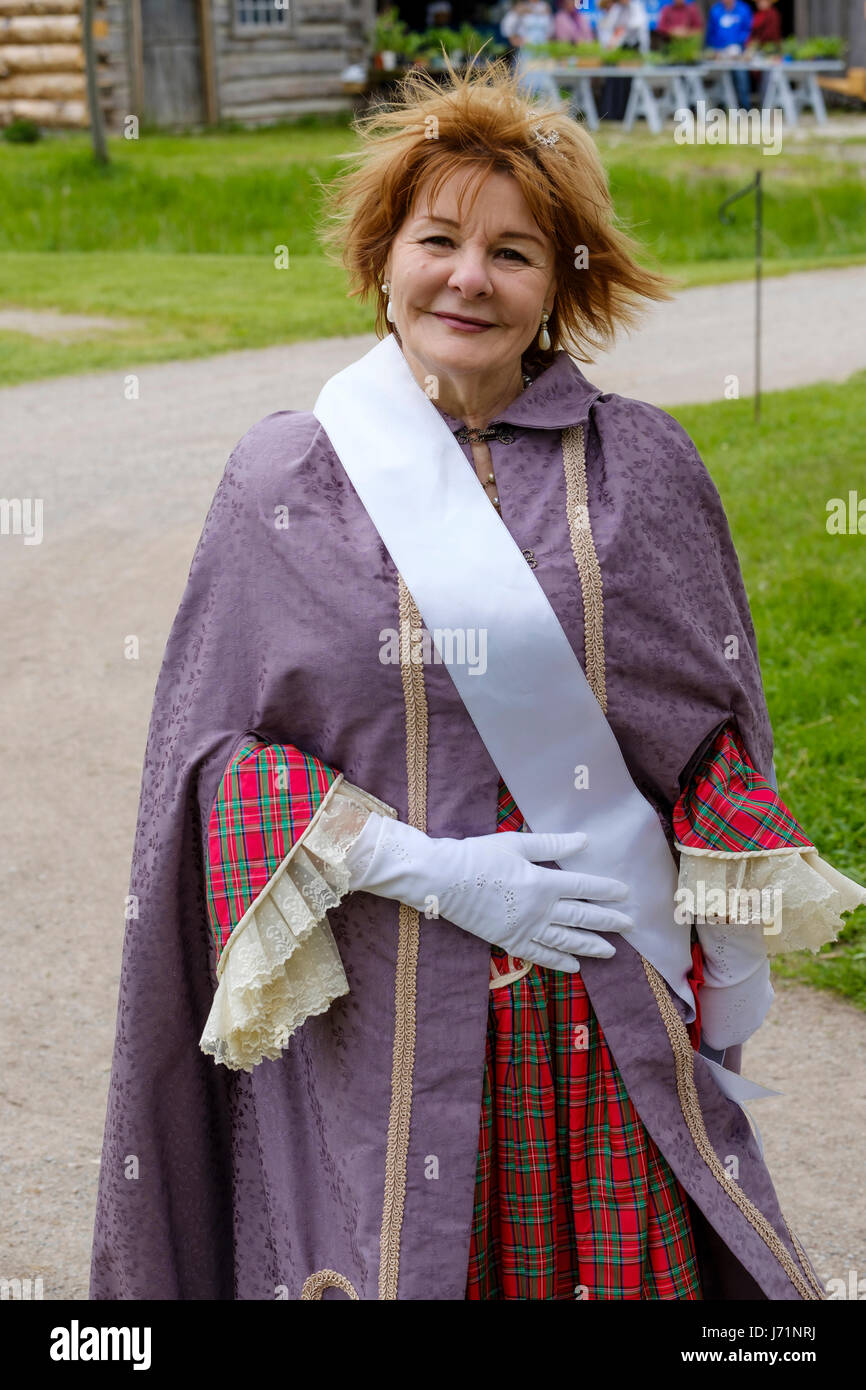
461 318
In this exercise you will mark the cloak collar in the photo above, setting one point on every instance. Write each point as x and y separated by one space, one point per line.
560 396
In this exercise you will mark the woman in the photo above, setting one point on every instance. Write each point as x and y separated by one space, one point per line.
448 1057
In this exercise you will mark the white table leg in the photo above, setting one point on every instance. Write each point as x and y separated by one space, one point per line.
814 97
730 100
779 93
695 89
641 102
585 102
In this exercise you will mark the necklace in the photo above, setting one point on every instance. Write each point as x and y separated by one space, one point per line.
500 432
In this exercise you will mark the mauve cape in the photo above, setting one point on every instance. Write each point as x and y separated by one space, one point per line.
250 1183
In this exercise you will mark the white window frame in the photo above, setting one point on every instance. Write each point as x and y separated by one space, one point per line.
256 26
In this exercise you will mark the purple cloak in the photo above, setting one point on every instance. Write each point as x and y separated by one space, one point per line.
310 1176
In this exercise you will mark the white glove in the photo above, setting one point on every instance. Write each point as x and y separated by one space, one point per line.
736 993
491 886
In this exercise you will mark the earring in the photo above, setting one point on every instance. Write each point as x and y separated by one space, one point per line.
544 336
389 312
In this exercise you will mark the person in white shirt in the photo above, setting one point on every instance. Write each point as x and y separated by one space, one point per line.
620 26
623 25
529 23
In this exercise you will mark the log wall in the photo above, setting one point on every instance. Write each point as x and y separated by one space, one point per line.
42 62
271 75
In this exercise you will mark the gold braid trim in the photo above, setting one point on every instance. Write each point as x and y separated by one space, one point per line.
315 1284
691 1108
586 558
397 1150
804 1261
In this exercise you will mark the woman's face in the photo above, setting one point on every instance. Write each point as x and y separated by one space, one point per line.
492 265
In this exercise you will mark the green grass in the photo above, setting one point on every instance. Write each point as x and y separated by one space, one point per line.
179 233
180 307
807 591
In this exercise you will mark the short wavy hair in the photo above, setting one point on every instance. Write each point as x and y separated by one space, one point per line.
480 120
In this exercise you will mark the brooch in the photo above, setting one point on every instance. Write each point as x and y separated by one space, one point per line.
465 435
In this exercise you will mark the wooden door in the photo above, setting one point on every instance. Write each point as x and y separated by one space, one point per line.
171 50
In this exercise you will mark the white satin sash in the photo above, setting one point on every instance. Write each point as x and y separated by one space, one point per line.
532 705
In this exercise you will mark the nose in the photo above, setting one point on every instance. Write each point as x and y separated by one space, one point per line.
470 274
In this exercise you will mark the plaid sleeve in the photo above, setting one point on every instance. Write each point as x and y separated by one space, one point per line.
267 798
730 808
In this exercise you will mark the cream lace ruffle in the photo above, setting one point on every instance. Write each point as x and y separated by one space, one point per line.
281 965
794 894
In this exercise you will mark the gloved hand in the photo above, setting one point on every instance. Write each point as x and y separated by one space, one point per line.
736 992
490 885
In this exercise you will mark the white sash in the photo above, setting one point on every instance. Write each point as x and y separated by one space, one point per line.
532 705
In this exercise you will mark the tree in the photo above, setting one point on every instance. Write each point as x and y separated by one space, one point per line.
97 125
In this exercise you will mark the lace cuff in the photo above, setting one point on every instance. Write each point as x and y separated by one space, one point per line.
792 894
280 964
746 862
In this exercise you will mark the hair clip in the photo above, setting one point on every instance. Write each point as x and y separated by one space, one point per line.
543 139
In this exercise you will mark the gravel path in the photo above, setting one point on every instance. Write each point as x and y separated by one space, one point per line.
125 487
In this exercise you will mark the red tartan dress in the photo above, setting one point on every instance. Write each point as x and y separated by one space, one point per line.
573 1199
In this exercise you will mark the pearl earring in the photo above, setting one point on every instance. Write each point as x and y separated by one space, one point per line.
544 336
389 312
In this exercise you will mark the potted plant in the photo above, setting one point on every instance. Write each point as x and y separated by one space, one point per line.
769 52
393 42
680 53
551 53
821 46
470 41
588 54
624 58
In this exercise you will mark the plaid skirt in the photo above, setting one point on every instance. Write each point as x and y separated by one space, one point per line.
573 1200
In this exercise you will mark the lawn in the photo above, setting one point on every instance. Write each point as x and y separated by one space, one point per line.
807 591
178 235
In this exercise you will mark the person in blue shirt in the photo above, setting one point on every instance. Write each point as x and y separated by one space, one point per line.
729 23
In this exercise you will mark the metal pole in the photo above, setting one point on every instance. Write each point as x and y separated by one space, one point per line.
756 187
759 251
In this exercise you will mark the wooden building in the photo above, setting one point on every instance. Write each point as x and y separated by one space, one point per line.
181 63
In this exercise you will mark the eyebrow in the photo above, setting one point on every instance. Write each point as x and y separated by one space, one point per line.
519 236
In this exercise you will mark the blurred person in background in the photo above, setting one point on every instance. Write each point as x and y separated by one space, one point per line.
766 24
766 28
620 26
572 24
729 25
623 25
680 20
525 24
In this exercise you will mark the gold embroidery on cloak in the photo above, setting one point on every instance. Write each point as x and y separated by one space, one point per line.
397 1148
315 1284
